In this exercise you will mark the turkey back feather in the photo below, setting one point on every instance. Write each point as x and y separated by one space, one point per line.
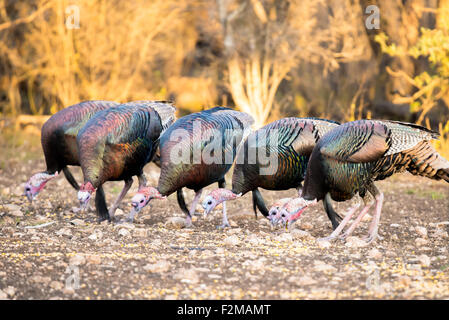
290 141
217 132
58 135
354 154
116 143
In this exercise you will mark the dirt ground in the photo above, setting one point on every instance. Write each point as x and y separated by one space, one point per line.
49 252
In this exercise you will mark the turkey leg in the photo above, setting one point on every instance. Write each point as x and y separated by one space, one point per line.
126 187
343 223
374 226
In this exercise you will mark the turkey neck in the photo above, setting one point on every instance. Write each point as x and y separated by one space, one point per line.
314 182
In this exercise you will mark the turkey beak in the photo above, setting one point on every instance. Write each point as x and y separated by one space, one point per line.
28 194
207 208
135 207
273 219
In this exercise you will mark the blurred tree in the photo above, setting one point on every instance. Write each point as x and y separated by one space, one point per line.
264 40
431 86
118 53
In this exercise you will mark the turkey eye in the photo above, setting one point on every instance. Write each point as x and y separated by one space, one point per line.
283 215
27 189
141 201
209 202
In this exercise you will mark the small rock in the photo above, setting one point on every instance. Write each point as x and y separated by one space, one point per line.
160 266
3 295
16 213
66 232
56 285
424 260
374 254
254 240
234 230
367 217
395 225
40 279
233 224
421 231
322 266
93 259
439 233
77 222
187 276
68 291
301 281
10 291
285 237
405 281
306 226
301 234
175 223
323 244
95 236
140 232
421 242
119 212
355 242
11 207
123 232
125 225
77 260
232 241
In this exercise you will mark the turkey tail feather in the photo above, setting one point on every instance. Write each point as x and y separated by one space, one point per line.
427 162
443 174
166 112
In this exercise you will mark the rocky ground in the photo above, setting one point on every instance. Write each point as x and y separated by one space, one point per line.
49 252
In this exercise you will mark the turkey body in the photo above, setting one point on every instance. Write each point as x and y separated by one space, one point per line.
117 143
58 139
287 143
58 135
198 150
348 159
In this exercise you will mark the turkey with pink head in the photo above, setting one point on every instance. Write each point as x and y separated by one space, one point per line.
350 158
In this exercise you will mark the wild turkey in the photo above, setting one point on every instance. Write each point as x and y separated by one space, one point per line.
348 159
286 144
58 139
116 144
208 142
